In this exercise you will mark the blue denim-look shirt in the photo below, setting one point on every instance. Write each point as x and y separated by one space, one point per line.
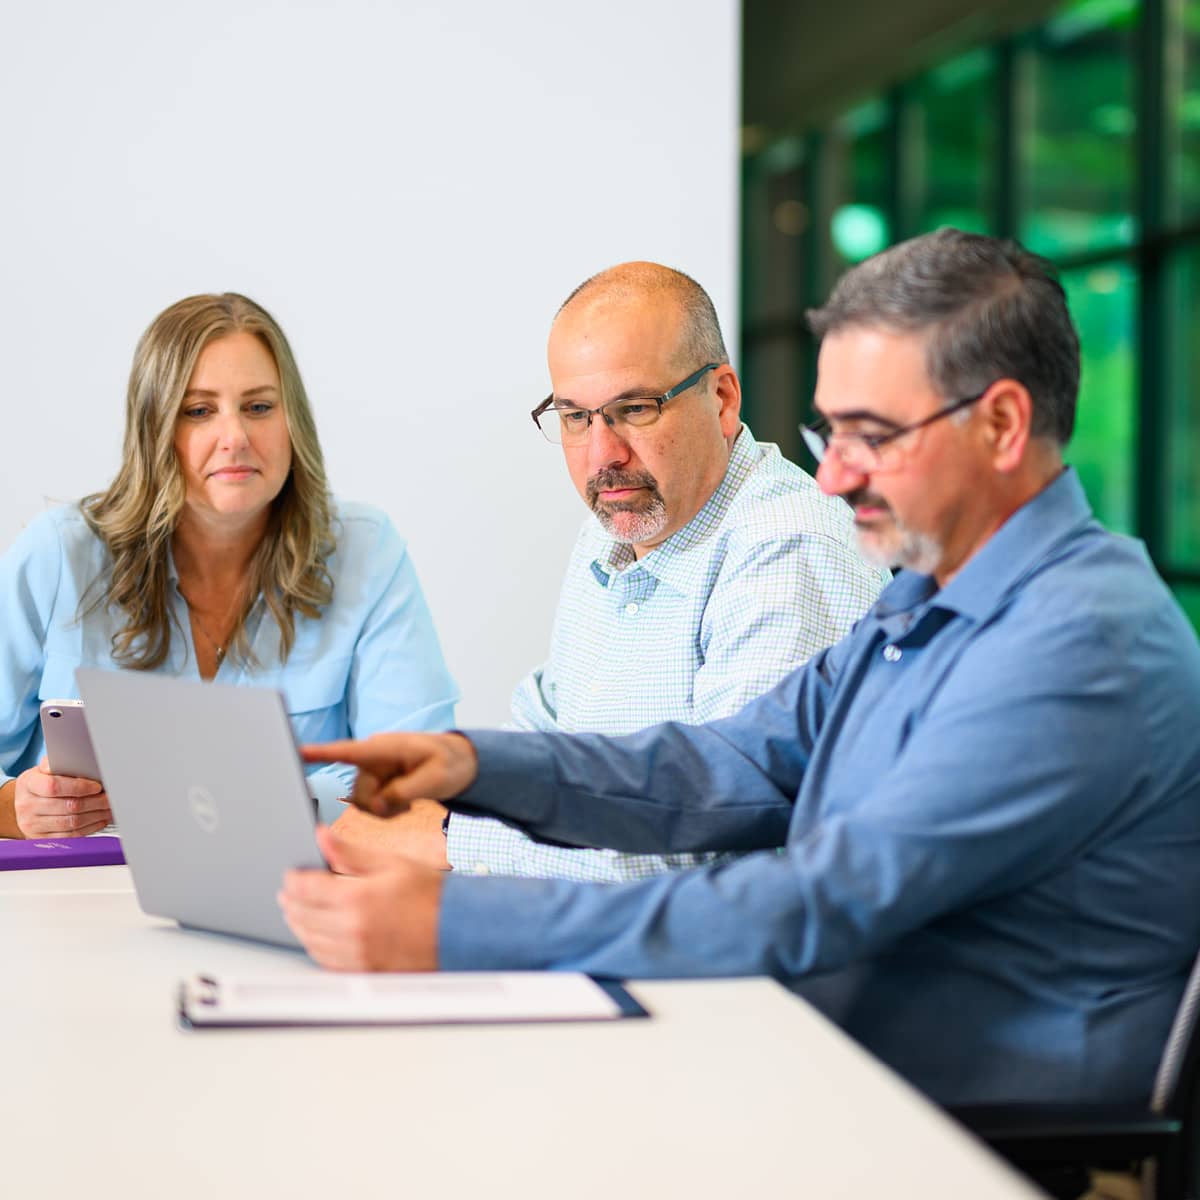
988 799
371 662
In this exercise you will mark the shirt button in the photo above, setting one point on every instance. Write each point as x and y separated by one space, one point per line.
631 609
481 869
892 653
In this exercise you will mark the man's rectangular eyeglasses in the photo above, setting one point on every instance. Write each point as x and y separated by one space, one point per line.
866 452
627 416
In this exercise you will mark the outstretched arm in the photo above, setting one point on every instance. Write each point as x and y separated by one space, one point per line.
730 785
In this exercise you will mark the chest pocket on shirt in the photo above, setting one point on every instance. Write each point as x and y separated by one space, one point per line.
315 695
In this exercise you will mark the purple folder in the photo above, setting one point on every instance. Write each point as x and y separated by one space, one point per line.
27 855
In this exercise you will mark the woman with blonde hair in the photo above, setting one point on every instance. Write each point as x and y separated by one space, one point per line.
216 553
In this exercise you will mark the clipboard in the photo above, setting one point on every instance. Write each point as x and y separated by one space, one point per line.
334 1000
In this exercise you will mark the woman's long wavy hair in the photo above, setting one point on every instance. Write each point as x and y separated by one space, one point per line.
136 516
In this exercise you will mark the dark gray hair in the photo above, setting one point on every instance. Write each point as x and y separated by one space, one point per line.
991 308
700 340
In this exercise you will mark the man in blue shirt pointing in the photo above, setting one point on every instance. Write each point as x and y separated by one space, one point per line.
970 829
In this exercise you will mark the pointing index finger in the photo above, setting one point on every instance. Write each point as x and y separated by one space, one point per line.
342 751
382 755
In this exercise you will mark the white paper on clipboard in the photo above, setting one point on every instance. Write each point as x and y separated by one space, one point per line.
240 1001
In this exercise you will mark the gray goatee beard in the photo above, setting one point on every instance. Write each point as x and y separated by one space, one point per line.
634 522
904 548
913 551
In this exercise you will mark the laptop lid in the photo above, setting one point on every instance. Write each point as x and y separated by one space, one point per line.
209 797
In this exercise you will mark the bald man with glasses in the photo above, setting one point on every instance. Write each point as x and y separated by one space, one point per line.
708 568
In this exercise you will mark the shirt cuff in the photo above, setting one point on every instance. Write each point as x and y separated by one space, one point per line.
516 778
491 924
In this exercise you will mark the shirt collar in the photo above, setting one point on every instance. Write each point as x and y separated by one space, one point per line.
1003 560
668 561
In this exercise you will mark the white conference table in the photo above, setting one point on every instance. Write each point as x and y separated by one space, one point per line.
732 1088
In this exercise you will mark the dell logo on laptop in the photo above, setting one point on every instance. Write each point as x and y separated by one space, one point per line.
204 809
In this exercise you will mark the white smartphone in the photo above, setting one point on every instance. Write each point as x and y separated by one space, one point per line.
68 744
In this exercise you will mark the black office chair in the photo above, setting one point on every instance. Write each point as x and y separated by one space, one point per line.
1045 1139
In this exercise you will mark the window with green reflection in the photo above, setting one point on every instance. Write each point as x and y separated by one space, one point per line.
1181 488
1188 595
1038 132
775 245
1076 126
776 369
776 219
1102 300
1182 63
856 173
949 138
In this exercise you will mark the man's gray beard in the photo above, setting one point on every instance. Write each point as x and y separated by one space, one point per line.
916 552
638 526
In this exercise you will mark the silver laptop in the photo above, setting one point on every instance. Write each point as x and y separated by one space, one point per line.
209 797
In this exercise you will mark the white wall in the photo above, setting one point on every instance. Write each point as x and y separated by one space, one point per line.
411 188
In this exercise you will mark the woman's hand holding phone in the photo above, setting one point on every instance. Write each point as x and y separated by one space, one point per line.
47 805
62 795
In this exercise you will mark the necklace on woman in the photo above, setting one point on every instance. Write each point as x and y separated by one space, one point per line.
219 648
